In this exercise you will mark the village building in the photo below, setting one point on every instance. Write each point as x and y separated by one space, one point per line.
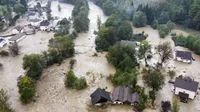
186 88
17 30
2 42
100 96
44 25
124 95
184 56
17 38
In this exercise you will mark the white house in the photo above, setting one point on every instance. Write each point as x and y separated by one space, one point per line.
186 88
184 56
2 42
44 25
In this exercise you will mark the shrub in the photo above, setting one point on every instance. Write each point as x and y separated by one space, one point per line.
27 89
80 83
171 73
163 30
4 106
72 62
74 82
4 53
70 79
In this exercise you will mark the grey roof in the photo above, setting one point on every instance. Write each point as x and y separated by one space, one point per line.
44 23
184 55
118 94
135 98
100 96
122 94
127 95
186 83
16 37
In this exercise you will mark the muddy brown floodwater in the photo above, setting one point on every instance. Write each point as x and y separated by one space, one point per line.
52 96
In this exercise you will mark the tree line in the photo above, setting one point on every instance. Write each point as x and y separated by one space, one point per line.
60 48
80 15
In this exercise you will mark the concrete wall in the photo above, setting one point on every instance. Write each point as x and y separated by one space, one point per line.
191 94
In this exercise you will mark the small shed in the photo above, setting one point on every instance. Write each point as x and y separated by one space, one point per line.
100 96
185 87
184 56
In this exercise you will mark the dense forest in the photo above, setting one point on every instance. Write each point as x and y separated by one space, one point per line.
185 12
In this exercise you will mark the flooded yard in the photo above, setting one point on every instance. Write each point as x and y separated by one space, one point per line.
192 70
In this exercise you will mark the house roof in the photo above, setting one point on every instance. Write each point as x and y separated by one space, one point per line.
135 97
44 23
118 94
184 55
186 83
16 37
122 94
127 95
99 94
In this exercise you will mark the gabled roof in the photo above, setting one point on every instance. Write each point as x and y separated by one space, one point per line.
122 94
98 95
186 83
44 23
118 94
135 98
184 55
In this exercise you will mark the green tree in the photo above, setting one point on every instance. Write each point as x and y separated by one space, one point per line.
144 51
195 12
125 31
26 89
139 19
171 73
4 105
155 24
33 65
163 30
122 57
19 8
99 22
170 25
175 104
165 52
64 46
80 83
70 79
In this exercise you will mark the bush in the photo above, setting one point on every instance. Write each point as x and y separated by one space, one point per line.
72 62
171 73
74 82
80 83
4 53
155 24
27 89
124 78
4 105
163 30
70 79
